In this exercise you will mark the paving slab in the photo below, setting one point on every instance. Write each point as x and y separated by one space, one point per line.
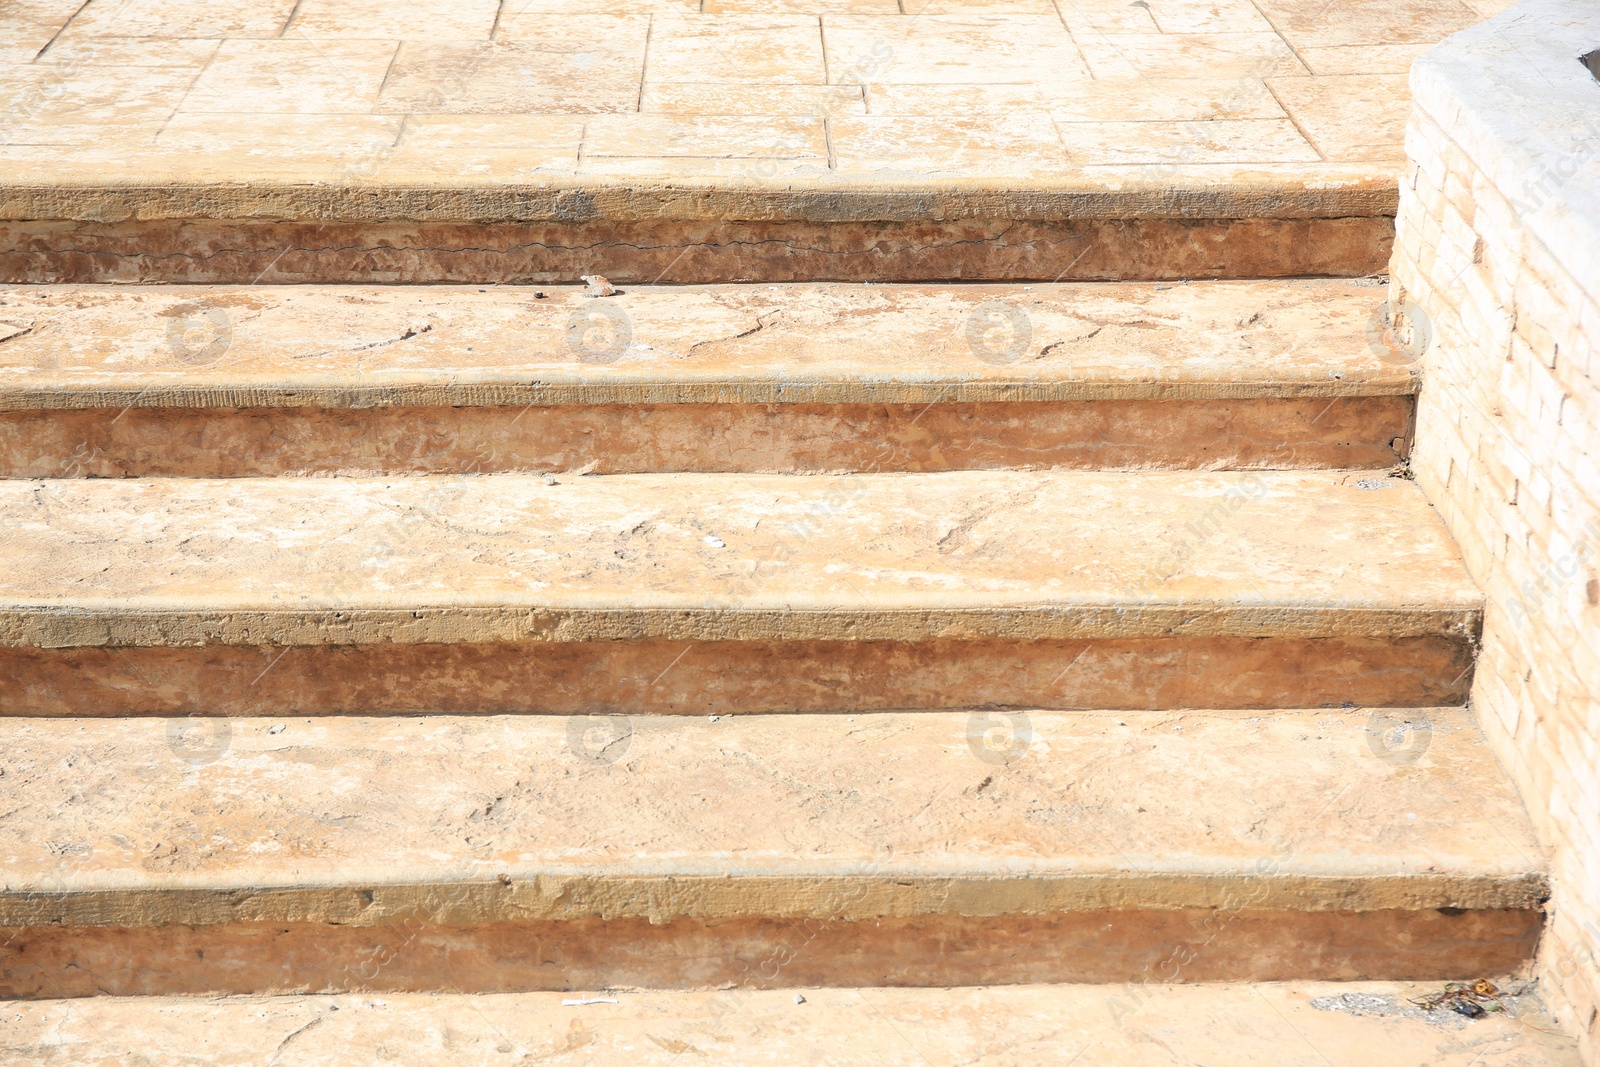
630 64
1298 1024
709 557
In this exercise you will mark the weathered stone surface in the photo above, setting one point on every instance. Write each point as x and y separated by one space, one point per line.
237 839
1102 946
1138 1024
263 381
362 346
726 557
718 677
1347 432
1132 245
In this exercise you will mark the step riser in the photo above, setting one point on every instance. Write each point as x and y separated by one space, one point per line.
411 955
688 677
685 252
1349 433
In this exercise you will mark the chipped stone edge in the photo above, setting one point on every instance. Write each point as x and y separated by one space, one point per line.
500 389
1362 191
170 623
532 895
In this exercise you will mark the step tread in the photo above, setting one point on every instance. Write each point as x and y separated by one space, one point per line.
351 346
1295 1024
479 818
708 556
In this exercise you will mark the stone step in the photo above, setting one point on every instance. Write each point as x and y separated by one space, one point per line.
61 226
1299 1024
108 381
506 853
728 592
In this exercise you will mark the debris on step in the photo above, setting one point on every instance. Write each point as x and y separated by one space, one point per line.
598 286
1466 1001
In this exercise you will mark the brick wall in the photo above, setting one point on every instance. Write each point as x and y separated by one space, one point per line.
1495 280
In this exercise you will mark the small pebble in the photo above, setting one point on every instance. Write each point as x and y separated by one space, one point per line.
798 999
714 542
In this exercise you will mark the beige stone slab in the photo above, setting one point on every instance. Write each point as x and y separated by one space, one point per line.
113 346
456 820
800 7
682 98
292 77
1208 16
1213 141
970 7
664 136
680 170
1192 55
27 27
384 20
579 73
1324 23
727 557
972 101
215 19
737 49
1153 99
1101 100
1351 117
74 139
504 147
1362 58
80 51
1092 17
36 98
528 15
277 141
1019 143
1488 9
946 49
1298 1024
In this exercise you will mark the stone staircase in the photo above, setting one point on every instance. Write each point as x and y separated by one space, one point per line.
988 661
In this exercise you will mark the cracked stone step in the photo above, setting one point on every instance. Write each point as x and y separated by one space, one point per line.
1297 1024
108 381
502 853
718 592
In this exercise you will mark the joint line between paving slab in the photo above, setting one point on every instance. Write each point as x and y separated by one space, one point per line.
293 14
57 35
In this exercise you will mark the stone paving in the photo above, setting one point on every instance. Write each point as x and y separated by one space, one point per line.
722 91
